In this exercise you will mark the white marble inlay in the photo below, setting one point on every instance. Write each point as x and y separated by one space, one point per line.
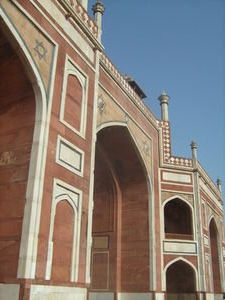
134 296
68 28
159 296
177 177
9 291
43 292
69 156
180 247
101 296
206 241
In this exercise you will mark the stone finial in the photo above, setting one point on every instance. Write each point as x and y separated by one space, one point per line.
164 101
98 7
193 145
194 151
219 184
164 98
98 11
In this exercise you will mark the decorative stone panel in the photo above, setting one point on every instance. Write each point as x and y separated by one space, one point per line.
177 177
180 247
69 156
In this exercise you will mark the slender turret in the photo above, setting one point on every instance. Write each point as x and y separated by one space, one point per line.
194 153
219 185
164 101
98 10
194 150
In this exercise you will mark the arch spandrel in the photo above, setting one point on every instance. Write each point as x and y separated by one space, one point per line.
169 195
39 46
212 216
110 114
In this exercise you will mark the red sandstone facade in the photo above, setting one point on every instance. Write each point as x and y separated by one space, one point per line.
93 203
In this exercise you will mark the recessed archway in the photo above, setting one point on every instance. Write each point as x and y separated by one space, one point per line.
213 232
120 254
180 281
17 122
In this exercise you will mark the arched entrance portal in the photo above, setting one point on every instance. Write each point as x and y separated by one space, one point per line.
17 118
180 281
215 256
120 254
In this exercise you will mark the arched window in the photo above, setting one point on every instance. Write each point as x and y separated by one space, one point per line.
178 220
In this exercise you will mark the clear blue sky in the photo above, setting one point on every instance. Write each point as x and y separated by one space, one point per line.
177 46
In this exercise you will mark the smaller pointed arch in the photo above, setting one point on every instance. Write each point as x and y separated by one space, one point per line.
178 219
63 241
215 255
181 279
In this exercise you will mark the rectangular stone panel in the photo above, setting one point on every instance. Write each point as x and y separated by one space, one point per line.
206 241
176 177
101 242
101 296
134 296
180 247
42 292
69 156
9 291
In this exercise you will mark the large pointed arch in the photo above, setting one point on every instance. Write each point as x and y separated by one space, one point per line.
152 259
31 220
109 139
140 154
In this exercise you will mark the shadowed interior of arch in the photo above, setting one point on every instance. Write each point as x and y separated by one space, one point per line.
178 220
17 117
215 256
180 281
120 254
